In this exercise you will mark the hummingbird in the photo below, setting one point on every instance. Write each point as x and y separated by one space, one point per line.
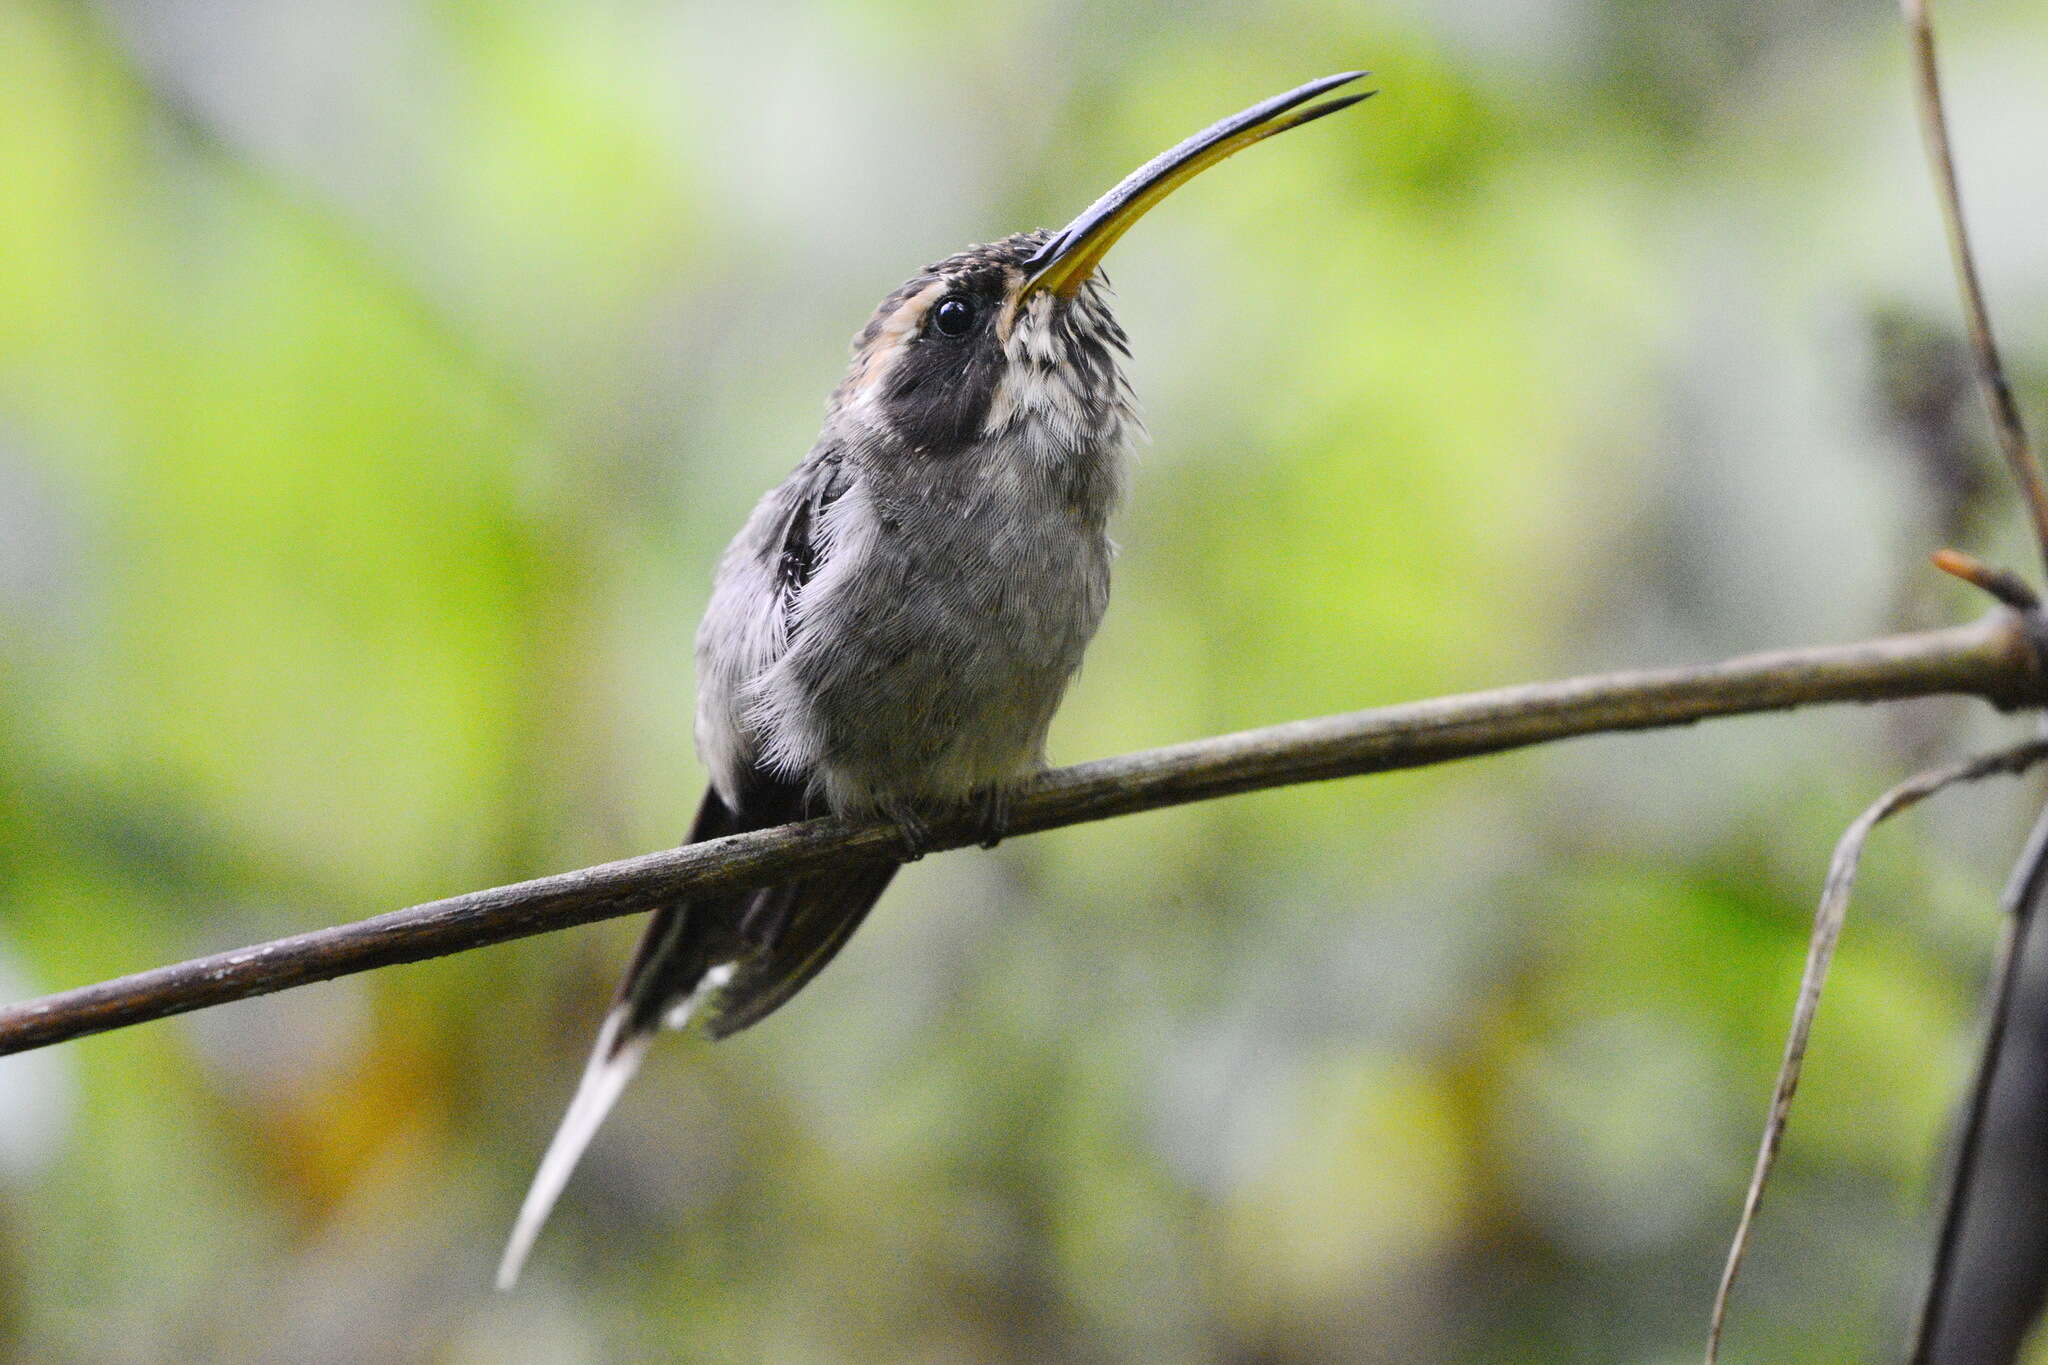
891 631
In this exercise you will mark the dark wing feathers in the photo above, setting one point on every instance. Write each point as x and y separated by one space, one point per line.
776 938
803 535
810 922
779 937
685 940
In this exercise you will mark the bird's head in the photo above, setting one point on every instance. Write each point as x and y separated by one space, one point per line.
1018 333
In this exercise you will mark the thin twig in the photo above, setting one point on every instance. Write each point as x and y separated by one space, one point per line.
2005 413
2003 584
1820 952
2022 898
1992 658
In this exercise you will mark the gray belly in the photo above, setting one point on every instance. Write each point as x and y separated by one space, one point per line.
930 660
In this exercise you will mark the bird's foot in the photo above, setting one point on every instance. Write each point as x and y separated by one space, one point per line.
994 807
915 834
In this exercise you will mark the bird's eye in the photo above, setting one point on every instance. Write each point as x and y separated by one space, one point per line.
952 316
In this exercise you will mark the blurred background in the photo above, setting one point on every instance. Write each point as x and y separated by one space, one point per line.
379 380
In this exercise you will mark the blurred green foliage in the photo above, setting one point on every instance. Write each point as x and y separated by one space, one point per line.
378 383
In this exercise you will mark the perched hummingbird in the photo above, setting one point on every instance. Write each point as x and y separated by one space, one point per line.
893 628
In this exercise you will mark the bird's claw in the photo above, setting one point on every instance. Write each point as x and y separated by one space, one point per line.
911 829
992 822
995 815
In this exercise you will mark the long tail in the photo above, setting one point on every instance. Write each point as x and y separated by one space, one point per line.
742 955
612 1063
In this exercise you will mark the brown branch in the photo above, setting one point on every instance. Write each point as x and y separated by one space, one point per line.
2030 875
2002 584
2005 412
1820 953
1992 659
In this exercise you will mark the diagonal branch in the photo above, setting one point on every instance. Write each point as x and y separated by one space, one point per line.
1992 658
2005 412
1820 954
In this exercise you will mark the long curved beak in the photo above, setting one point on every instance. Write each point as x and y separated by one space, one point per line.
1063 263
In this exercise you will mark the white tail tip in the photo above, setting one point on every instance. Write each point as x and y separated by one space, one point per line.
604 1079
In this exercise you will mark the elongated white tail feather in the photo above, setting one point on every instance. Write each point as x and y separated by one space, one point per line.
604 1080
612 1064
